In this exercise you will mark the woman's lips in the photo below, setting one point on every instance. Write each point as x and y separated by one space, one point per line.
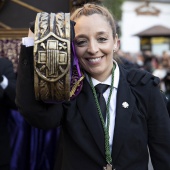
94 60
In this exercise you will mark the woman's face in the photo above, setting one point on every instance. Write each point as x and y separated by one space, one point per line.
94 45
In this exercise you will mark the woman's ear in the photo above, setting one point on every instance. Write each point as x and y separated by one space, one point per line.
116 43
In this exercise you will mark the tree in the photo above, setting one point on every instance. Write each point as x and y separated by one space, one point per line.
115 7
78 3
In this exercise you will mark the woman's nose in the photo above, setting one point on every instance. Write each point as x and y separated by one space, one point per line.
92 47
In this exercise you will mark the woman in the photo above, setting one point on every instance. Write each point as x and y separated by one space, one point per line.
136 115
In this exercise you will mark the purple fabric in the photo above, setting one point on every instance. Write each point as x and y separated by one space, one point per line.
75 62
32 148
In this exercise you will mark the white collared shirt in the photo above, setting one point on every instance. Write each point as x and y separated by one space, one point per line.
28 41
112 107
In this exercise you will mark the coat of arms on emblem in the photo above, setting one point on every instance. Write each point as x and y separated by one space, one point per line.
52 57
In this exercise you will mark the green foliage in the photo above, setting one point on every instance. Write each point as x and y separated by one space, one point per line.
115 7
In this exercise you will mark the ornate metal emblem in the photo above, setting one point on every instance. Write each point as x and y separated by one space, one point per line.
52 57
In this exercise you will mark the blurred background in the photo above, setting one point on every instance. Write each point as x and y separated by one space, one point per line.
143 27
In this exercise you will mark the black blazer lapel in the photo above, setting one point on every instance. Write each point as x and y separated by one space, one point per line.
123 114
87 107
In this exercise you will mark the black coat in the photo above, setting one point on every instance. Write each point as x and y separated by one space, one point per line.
144 124
7 102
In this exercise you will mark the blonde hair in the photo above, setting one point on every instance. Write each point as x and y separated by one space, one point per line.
90 9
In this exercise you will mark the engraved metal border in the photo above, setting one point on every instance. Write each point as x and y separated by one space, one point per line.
52 57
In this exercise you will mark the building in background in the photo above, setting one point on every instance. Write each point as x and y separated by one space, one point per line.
155 39
141 17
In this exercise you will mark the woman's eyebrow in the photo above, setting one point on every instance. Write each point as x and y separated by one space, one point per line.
80 36
103 33
97 33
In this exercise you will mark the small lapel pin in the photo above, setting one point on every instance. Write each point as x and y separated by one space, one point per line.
125 105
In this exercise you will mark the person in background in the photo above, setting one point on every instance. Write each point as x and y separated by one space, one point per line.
135 117
7 102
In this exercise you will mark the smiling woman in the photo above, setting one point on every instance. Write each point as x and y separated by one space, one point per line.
119 140
95 45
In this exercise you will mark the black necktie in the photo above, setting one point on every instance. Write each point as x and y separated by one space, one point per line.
100 89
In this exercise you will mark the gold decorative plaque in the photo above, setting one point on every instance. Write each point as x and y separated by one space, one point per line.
52 57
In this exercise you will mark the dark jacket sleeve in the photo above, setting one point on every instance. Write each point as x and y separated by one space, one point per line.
37 113
152 106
